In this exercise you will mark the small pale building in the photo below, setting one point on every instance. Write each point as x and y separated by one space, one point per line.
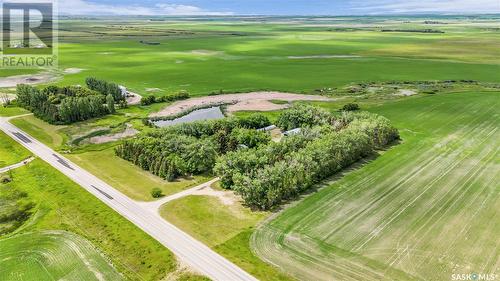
267 129
292 132
124 90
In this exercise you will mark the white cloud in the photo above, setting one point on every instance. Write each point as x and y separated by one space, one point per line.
82 7
427 6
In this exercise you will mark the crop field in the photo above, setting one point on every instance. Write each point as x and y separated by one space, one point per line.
423 210
279 54
53 255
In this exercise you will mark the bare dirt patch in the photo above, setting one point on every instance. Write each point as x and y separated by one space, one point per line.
31 79
205 52
406 93
129 132
324 57
226 197
153 90
73 70
133 98
255 101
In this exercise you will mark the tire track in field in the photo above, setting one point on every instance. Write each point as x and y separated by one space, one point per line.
430 213
369 179
460 191
303 250
378 201
369 210
322 269
466 188
458 194
438 175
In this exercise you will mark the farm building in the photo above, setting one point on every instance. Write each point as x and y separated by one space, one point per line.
267 129
124 90
292 132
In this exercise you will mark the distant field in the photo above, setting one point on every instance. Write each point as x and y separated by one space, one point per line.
295 55
423 210
52 255
426 205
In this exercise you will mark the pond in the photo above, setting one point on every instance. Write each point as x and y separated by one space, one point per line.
197 115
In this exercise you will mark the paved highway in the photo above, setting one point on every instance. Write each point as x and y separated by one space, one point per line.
188 249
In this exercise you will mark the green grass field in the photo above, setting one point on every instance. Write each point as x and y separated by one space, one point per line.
224 228
296 55
100 159
10 151
12 111
235 64
52 255
128 178
425 205
42 131
422 210
63 205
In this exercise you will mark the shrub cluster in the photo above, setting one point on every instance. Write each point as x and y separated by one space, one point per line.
191 148
105 88
249 160
169 155
265 184
182 95
156 193
304 116
62 105
350 107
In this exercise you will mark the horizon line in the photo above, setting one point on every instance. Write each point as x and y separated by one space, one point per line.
292 15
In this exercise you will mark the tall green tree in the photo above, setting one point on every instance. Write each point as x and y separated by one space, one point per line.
110 101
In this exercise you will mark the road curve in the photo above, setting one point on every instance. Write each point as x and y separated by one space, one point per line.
186 248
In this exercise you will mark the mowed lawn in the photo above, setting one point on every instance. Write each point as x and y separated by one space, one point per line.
128 178
42 131
423 210
224 228
10 151
52 255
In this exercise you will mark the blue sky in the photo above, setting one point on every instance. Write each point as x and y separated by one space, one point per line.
275 7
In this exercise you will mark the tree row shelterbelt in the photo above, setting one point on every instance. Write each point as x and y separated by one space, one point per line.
192 148
269 175
264 172
65 105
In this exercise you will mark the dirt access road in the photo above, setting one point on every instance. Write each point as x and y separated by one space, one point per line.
254 101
